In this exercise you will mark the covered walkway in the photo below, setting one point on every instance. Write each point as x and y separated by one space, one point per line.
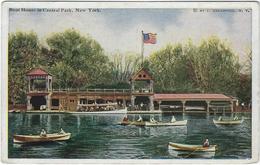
201 101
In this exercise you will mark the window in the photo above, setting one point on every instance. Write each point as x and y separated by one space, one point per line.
55 102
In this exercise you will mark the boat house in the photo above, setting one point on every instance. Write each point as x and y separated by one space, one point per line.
141 96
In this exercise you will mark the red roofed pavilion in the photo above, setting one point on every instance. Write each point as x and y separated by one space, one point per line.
39 87
37 72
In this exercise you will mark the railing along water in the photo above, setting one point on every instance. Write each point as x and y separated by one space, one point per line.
93 90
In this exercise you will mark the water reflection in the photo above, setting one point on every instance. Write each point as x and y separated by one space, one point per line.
100 136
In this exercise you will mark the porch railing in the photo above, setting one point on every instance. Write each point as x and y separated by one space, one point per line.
92 90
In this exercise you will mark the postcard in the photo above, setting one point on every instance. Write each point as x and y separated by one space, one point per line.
130 82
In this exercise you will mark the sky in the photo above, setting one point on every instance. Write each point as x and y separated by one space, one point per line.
119 30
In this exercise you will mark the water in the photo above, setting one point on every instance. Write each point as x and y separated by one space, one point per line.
100 137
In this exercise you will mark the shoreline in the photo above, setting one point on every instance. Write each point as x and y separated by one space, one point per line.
121 111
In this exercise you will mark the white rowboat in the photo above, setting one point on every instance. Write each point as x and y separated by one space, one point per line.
22 139
192 151
176 123
188 147
228 122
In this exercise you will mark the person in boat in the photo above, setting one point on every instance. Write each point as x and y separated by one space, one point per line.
152 120
62 131
140 119
220 118
43 133
235 118
125 119
173 119
206 143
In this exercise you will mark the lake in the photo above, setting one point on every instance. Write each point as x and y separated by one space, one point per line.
100 136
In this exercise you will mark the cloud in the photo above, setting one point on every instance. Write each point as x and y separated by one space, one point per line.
120 30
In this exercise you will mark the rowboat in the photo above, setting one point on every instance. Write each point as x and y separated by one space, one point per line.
228 122
22 139
186 150
136 123
176 123
188 147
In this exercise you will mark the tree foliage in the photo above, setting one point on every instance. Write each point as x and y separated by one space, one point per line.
169 68
210 67
78 61
23 55
215 67
123 66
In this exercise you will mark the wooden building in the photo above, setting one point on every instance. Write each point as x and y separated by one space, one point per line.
141 96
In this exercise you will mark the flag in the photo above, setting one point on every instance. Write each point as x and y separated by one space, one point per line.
149 38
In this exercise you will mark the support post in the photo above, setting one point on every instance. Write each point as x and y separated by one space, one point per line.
183 105
151 86
48 107
151 103
232 106
132 102
124 103
33 86
47 83
29 106
132 85
50 84
208 102
159 102
29 84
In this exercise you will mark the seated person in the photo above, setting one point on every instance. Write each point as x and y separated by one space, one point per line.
206 143
152 120
61 131
125 119
173 119
140 119
43 133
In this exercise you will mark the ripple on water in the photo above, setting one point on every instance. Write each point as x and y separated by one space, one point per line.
100 137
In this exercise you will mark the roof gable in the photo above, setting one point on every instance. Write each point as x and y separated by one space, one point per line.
142 74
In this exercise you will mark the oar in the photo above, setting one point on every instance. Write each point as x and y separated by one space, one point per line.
192 152
55 141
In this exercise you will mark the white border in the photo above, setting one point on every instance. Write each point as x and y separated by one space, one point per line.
223 5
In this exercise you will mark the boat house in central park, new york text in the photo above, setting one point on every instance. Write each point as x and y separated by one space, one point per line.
141 96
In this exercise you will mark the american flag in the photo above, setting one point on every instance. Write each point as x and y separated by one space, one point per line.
149 38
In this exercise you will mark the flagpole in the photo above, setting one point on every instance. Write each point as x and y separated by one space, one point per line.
142 48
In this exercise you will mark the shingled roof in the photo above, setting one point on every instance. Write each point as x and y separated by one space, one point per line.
37 72
191 96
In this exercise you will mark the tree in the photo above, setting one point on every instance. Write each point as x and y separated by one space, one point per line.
215 66
245 80
81 56
170 70
124 66
23 55
211 67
